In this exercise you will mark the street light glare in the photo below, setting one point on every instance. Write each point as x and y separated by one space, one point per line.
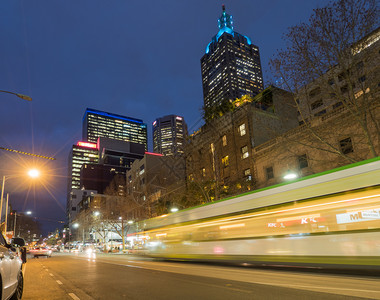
174 209
290 176
28 212
34 173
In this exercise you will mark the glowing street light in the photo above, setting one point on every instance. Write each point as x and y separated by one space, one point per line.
34 173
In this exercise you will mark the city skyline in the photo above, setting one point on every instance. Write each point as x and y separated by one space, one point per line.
68 58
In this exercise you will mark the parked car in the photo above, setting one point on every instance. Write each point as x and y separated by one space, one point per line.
11 269
40 251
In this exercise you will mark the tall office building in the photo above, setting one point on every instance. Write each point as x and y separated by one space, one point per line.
231 65
169 134
81 153
103 124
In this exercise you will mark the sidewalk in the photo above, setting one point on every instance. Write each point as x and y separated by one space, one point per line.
39 283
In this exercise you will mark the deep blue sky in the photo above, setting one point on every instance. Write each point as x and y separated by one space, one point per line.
134 58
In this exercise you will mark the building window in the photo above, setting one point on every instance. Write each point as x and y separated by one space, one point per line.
320 113
341 77
244 152
344 89
242 129
224 139
359 66
212 147
142 170
316 104
191 177
346 146
203 172
302 161
247 174
225 161
337 104
269 173
314 92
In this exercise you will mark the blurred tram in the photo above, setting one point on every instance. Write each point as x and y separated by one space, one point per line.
327 219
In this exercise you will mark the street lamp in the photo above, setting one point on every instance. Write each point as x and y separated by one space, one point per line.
15 218
25 97
76 225
32 173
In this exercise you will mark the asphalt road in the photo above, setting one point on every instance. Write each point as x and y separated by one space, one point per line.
112 276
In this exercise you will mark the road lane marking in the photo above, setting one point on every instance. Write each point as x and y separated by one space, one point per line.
75 297
336 290
59 282
51 274
132 266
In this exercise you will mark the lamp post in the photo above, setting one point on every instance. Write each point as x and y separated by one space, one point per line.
76 225
24 97
15 219
34 173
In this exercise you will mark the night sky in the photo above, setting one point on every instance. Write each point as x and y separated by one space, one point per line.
135 58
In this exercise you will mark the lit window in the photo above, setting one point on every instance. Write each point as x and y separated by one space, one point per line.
225 161
242 129
224 139
244 152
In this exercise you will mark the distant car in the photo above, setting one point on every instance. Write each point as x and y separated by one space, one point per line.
40 251
12 280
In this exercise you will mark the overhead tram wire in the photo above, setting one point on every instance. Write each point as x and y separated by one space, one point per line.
27 153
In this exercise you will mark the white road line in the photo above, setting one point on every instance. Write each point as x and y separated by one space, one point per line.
59 282
75 297
51 274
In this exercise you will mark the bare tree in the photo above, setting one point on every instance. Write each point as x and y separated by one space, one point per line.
330 56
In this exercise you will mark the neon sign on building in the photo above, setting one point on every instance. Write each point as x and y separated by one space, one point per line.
87 145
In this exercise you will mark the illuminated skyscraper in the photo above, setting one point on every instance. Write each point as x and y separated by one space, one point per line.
81 153
103 124
169 134
231 66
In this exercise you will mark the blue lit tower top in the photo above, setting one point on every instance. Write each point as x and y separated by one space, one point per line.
231 66
225 24
225 21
